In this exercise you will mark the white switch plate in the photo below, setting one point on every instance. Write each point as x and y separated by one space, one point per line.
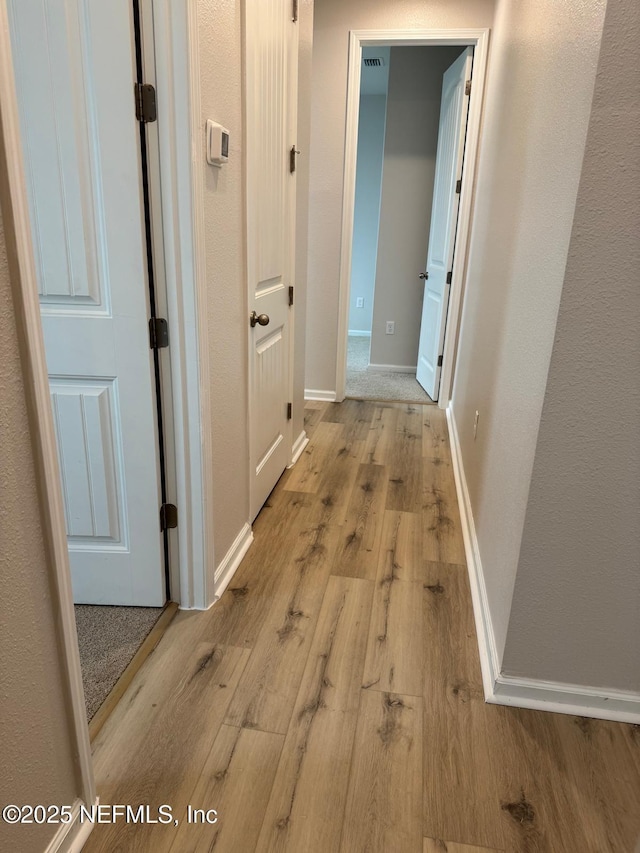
360 302
391 327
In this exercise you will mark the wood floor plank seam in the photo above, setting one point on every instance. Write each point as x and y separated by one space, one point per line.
333 762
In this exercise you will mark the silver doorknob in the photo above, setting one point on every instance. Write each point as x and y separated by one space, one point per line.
424 275
260 319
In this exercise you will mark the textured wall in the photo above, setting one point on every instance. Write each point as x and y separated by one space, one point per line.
333 20
410 147
221 93
540 87
305 47
37 749
576 605
366 216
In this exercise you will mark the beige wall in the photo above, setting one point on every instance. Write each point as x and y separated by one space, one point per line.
333 20
576 605
220 44
38 762
221 66
305 36
540 87
410 146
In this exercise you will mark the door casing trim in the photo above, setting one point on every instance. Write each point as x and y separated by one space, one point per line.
479 40
183 230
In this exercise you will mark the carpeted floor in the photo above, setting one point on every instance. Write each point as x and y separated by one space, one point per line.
366 384
108 638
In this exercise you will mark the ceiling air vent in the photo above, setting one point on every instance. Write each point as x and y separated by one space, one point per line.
373 61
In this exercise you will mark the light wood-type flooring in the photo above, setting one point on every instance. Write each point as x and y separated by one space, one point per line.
332 700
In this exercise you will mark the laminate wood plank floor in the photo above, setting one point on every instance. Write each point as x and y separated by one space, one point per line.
332 699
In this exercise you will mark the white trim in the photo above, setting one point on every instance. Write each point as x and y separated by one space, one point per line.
178 76
71 837
562 698
322 396
479 39
358 333
392 368
27 309
300 443
522 692
489 661
232 560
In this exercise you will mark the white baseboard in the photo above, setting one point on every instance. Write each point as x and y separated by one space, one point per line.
522 692
231 561
563 698
323 396
393 368
71 837
358 333
298 446
486 638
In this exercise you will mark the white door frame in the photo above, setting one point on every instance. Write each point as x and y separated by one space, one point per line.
175 28
479 40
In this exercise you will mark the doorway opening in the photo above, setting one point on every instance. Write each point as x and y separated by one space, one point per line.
411 142
99 296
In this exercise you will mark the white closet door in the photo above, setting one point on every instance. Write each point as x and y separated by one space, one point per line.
74 62
454 108
271 75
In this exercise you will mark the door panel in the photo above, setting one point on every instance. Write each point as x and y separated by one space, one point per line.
86 416
444 218
75 74
271 45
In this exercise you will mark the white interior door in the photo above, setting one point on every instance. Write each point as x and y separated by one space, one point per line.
444 219
75 74
271 73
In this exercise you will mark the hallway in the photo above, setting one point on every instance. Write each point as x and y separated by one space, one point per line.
332 700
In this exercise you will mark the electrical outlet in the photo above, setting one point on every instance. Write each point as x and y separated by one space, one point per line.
475 424
391 327
360 302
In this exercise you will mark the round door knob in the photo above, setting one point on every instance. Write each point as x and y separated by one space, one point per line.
259 319
424 275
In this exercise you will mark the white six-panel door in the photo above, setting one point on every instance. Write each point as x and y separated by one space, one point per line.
271 71
75 74
454 108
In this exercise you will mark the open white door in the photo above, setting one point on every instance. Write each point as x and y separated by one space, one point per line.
271 76
444 219
75 72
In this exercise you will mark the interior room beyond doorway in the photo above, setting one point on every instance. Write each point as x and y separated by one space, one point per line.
398 129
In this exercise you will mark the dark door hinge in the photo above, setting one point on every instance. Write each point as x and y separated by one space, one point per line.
294 10
292 159
168 516
290 294
289 411
146 108
459 186
467 87
449 277
439 361
158 333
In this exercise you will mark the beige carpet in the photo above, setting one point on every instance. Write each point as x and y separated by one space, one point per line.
108 638
366 384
